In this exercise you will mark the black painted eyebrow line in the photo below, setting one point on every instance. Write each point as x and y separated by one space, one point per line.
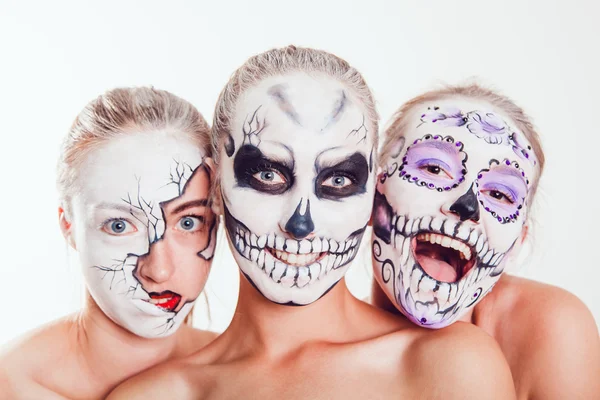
278 93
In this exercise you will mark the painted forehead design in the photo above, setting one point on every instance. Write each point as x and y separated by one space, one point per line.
485 125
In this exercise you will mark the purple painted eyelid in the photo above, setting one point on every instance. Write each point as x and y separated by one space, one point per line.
433 161
506 190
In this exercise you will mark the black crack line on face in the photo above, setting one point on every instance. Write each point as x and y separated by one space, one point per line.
371 159
252 128
208 252
278 93
151 219
114 269
139 206
338 110
178 178
360 133
343 253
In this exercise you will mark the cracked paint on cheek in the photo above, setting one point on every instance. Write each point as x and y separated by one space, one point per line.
125 271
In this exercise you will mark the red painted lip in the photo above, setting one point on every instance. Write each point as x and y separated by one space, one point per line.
172 302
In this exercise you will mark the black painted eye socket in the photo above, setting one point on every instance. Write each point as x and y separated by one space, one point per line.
254 170
344 179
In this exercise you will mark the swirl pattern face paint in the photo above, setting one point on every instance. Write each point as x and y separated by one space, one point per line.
449 207
144 230
298 185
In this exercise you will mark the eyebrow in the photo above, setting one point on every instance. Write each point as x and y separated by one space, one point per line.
115 206
319 165
190 204
443 146
289 163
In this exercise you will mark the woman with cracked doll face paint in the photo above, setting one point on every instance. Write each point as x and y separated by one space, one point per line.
296 157
134 179
460 167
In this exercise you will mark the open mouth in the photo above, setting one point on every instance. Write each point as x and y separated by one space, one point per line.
166 300
291 262
443 258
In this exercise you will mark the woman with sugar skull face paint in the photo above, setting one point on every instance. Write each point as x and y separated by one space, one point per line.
460 167
134 178
295 137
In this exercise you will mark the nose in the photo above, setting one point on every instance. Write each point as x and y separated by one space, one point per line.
156 266
300 224
466 206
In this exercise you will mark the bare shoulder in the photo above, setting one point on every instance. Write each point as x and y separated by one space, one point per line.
442 363
555 336
24 359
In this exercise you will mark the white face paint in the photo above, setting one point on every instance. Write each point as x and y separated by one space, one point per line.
297 183
144 233
450 205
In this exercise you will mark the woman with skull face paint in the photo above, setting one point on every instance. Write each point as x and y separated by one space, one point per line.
134 179
460 169
295 137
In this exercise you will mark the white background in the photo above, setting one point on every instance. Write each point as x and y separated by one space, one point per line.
55 56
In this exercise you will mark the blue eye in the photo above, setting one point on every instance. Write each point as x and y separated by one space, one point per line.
189 224
118 227
267 175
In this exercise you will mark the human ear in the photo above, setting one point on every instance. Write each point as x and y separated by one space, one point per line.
66 227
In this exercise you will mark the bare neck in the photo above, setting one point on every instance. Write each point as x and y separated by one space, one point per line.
261 326
111 353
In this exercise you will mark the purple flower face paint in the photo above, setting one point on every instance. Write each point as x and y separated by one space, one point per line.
449 207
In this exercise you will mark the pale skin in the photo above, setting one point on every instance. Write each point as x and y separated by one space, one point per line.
547 335
328 344
87 354
338 347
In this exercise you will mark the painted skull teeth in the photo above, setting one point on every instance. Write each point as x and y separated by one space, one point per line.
445 241
291 262
449 234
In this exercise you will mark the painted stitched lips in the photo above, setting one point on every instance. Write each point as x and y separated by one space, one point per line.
437 264
291 262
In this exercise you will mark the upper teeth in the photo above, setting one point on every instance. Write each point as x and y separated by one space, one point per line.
448 242
159 301
296 259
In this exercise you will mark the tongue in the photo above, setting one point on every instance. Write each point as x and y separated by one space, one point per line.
437 269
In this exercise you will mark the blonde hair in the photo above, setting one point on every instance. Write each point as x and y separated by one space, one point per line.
119 112
473 91
278 62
